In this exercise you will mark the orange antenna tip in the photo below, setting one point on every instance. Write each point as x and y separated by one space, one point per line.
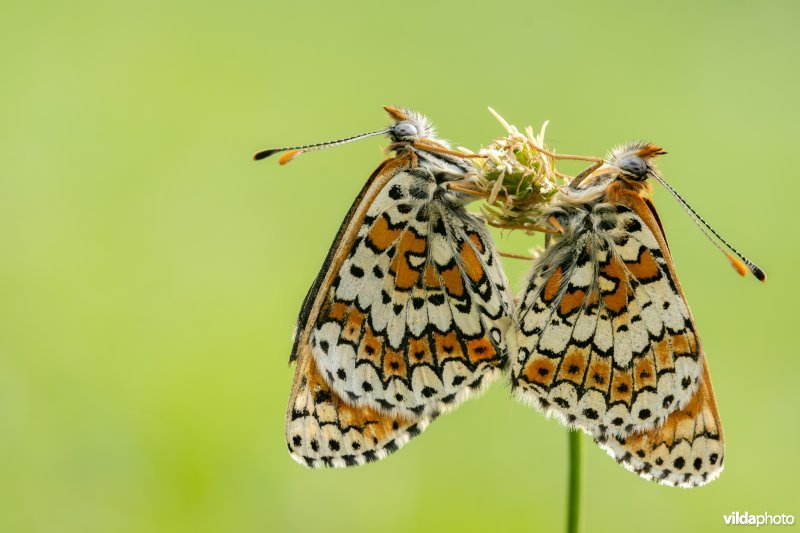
740 263
742 268
737 265
288 156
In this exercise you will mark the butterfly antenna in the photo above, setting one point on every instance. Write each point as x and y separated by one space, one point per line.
742 264
294 151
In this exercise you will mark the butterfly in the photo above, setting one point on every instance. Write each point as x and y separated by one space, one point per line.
408 314
604 337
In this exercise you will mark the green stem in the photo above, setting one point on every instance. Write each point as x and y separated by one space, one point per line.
574 488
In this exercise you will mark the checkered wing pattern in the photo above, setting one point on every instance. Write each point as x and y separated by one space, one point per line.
407 319
414 321
605 338
324 430
686 451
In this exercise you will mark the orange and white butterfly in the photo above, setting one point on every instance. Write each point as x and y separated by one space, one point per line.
605 339
407 317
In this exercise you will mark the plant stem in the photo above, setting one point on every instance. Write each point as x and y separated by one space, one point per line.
574 487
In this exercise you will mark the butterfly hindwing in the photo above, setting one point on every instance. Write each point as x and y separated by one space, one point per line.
605 338
413 321
687 450
324 430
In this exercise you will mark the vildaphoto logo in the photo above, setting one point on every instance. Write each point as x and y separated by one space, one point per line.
765 519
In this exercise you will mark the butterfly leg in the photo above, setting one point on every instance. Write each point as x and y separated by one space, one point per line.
570 157
463 187
516 256
553 226
580 177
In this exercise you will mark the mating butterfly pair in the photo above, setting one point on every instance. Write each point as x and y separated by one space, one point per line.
411 314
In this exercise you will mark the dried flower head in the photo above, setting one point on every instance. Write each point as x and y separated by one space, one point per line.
517 176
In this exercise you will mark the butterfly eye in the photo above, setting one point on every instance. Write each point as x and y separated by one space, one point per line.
633 165
403 130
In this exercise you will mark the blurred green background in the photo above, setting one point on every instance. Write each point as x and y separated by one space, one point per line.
151 272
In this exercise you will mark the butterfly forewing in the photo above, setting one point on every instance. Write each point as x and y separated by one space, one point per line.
411 323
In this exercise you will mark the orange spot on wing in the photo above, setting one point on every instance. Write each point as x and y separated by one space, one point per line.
480 350
348 417
695 404
574 364
571 301
540 369
622 387
644 375
351 330
553 285
616 300
448 347
381 236
394 363
645 268
692 341
476 240
453 281
337 311
599 375
419 351
407 276
431 279
371 347
663 352
680 344
472 265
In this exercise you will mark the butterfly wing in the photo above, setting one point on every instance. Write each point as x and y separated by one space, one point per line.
407 318
414 320
324 430
686 451
605 338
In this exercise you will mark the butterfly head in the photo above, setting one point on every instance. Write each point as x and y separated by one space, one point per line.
634 161
414 136
409 126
